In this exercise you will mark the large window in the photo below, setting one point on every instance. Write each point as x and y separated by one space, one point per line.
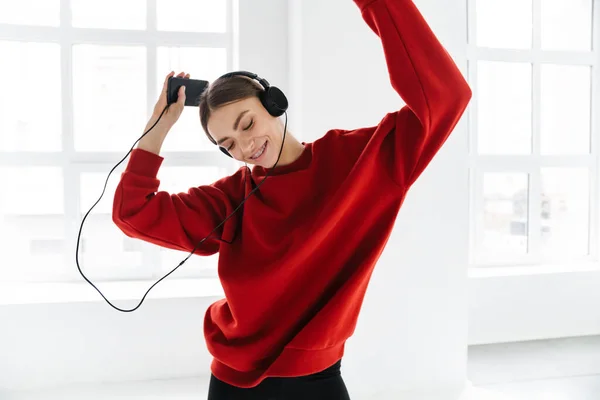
533 67
79 80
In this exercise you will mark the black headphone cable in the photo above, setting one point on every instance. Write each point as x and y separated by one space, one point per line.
199 243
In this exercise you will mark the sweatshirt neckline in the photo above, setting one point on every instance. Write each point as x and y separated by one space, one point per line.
299 164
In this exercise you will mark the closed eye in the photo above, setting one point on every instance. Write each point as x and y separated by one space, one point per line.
250 125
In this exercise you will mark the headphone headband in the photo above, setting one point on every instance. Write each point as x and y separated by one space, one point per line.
263 82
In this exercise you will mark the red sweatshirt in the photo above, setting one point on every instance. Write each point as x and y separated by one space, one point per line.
305 244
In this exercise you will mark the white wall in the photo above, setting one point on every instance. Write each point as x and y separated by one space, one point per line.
412 334
57 344
529 305
263 40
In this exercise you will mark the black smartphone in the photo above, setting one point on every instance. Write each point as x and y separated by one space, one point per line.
193 90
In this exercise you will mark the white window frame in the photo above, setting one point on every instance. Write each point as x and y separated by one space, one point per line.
532 163
74 163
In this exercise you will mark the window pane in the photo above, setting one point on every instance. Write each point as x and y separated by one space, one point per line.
30 119
92 184
181 179
201 63
199 15
112 14
567 24
504 24
505 219
565 212
30 12
22 186
565 109
31 226
104 245
504 107
109 89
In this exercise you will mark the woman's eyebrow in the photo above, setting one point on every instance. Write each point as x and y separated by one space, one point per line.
237 121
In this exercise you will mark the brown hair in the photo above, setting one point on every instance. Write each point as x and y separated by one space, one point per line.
223 91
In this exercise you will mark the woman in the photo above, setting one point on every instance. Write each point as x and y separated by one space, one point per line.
296 260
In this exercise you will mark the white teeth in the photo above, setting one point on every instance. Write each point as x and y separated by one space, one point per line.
259 153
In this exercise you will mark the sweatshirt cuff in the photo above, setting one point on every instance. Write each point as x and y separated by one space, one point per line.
362 4
144 163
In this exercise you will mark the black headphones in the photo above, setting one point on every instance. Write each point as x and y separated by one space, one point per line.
272 98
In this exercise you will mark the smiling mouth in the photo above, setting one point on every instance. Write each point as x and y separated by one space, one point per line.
259 153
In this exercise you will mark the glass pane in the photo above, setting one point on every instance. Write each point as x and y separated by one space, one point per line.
565 212
504 24
104 245
504 107
567 24
30 123
92 184
109 89
565 109
32 227
181 179
177 180
26 184
199 15
201 63
111 14
30 12
505 218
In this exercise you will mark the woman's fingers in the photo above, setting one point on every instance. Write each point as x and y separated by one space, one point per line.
171 74
181 96
166 83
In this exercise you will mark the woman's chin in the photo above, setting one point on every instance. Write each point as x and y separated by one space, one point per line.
264 164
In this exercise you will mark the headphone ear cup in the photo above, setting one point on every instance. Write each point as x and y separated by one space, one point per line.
224 151
274 101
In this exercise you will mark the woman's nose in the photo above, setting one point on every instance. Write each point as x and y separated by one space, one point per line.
248 145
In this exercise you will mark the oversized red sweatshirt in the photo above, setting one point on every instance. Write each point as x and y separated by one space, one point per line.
305 244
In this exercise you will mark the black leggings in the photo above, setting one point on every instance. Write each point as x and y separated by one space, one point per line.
325 385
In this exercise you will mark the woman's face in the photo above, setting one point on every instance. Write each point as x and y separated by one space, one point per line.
247 131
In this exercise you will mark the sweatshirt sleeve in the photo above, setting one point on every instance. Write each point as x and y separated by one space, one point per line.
426 78
176 221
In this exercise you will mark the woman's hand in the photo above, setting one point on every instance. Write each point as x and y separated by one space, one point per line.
154 139
170 116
